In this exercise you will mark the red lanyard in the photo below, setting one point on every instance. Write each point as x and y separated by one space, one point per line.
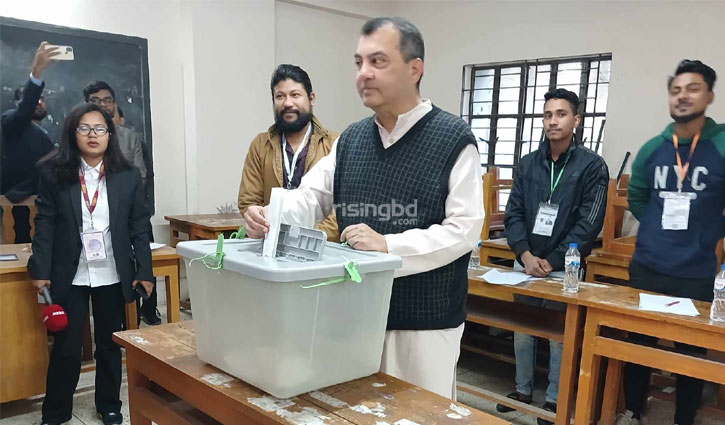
91 205
682 171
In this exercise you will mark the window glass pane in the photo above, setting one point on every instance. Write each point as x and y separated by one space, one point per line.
508 94
482 108
602 95
480 123
483 83
570 66
506 174
482 95
506 123
483 150
511 80
539 107
484 72
529 101
465 102
505 148
481 133
467 78
514 70
544 68
503 198
605 72
543 78
506 134
503 159
508 107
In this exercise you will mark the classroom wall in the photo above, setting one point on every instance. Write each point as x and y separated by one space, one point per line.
647 40
323 43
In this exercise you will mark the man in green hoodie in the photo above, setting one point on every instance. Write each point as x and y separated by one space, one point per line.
680 211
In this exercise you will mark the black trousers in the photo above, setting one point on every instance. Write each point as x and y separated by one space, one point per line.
637 377
65 357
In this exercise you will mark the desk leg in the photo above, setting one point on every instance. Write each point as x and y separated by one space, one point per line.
569 361
131 316
611 391
588 372
173 235
136 381
172 295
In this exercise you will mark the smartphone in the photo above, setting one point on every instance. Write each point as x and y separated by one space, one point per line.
141 291
66 53
8 257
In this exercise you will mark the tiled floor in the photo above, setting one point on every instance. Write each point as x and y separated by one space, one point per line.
476 370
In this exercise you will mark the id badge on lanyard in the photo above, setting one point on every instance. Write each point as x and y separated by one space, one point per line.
94 246
676 208
546 216
291 169
545 219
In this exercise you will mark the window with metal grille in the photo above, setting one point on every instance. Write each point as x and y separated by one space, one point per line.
504 104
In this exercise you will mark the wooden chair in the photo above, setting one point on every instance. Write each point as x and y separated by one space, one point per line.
612 260
493 221
8 221
614 245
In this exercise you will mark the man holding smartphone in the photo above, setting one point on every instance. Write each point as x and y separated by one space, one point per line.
24 141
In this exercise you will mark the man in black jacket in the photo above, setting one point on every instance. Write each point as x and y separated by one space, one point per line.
569 183
24 142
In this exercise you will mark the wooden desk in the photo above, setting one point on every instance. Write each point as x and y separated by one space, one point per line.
202 226
23 339
617 308
495 248
499 312
168 384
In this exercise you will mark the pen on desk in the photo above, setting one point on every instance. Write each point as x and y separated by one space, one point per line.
672 303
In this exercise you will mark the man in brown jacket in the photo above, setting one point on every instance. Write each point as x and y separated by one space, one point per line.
280 156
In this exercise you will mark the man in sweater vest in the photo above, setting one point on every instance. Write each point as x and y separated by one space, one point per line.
677 192
405 181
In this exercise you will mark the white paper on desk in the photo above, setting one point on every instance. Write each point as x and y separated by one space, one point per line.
496 277
663 304
155 245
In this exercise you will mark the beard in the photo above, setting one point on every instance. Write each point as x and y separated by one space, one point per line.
292 126
683 119
39 115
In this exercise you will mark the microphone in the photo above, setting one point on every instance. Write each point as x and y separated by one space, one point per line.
54 317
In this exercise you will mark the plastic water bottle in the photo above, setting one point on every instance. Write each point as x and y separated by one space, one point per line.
717 311
475 263
572 261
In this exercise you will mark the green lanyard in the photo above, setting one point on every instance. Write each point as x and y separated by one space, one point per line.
554 184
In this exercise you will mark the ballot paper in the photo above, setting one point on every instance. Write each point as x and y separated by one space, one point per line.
274 217
665 304
155 245
497 277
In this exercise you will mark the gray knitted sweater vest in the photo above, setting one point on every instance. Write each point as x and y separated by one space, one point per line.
405 187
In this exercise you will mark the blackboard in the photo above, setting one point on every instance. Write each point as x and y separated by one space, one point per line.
119 60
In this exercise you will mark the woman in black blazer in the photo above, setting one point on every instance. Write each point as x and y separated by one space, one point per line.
91 241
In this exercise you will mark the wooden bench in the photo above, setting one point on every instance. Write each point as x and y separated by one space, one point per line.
492 305
617 309
168 384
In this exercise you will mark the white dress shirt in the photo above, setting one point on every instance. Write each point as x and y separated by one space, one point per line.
96 273
420 249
